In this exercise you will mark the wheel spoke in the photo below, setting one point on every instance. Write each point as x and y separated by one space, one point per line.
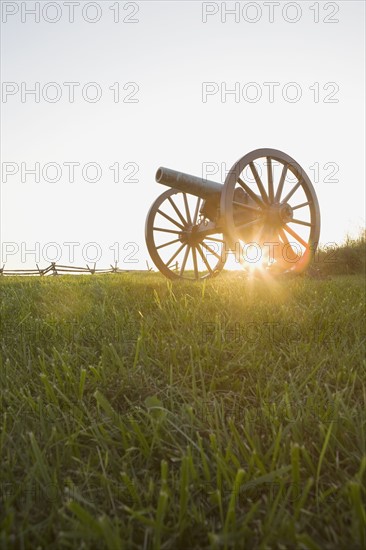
167 244
283 236
270 180
166 230
184 261
188 214
250 193
210 250
170 219
204 259
259 183
270 238
261 235
246 206
289 195
286 242
194 255
216 240
184 222
266 235
195 217
295 236
175 255
300 205
281 184
302 223
248 224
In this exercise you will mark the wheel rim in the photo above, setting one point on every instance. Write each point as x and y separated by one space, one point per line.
268 198
173 241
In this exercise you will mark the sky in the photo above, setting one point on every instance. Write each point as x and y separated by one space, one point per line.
138 85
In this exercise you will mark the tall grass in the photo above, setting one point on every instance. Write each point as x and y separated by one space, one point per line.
137 413
348 258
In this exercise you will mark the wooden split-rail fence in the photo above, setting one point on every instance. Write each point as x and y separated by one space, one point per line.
57 269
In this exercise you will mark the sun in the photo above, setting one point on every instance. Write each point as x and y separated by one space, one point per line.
248 256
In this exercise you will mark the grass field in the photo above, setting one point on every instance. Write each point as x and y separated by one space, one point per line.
136 413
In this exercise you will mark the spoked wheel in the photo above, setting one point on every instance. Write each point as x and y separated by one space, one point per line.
182 243
271 211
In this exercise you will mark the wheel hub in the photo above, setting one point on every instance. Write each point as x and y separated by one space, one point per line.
190 235
278 214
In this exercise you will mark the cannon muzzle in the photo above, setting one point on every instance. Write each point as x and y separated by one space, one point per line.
189 184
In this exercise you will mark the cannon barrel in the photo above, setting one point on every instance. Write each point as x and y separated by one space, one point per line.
189 184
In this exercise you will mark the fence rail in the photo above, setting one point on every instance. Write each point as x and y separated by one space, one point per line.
57 269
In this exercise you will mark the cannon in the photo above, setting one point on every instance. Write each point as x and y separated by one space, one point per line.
266 214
